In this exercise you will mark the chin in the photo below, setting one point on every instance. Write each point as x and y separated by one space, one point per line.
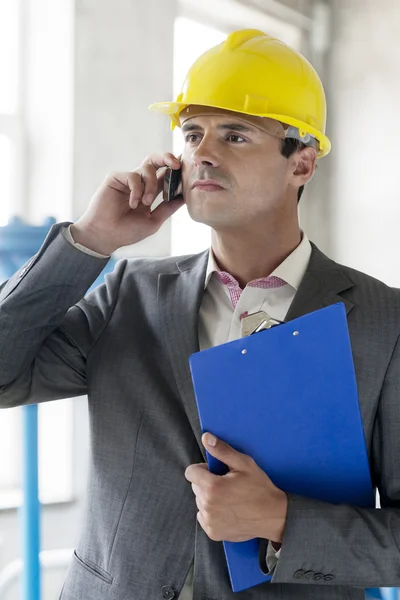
208 208
216 219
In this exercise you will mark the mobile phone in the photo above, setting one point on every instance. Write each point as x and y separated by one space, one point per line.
172 185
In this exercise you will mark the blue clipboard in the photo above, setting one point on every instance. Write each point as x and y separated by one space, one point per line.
287 397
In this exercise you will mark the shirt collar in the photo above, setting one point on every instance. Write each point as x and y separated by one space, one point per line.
291 270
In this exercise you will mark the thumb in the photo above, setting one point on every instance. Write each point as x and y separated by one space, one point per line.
224 452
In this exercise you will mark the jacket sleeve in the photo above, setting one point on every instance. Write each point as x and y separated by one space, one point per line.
47 326
337 544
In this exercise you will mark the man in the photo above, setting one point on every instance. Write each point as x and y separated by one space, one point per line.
252 112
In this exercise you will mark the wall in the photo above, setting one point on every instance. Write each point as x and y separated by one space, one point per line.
365 88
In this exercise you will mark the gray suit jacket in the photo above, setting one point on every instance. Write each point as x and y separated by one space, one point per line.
126 346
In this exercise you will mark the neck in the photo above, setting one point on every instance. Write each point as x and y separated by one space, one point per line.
252 254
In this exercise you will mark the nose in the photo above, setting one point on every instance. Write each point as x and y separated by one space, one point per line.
205 154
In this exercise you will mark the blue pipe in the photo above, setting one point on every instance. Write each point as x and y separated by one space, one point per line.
30 510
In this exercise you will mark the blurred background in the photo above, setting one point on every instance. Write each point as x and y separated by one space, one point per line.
76 79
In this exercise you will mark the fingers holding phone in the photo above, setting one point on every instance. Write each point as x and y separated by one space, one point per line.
119 213
153 171
173 185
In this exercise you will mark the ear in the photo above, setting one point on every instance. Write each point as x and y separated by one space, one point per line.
304 165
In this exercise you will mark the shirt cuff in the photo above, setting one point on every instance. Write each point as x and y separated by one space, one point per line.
272 557
68 235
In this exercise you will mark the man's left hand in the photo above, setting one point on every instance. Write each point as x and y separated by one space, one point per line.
241 505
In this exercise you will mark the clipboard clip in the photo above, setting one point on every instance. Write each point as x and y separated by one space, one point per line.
258 321
266 324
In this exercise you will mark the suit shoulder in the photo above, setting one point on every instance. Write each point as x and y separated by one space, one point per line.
361 278
157 265
371 287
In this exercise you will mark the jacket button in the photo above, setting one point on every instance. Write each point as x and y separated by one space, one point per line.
167 592
329 577
308 574
299 574
318 576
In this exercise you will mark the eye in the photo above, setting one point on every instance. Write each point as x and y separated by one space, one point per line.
191 138
236 139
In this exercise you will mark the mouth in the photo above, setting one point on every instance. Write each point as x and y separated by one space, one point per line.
207 185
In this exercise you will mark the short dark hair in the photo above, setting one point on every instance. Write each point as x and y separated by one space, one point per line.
288 147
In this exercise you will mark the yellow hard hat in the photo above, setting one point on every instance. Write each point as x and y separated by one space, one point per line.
255 74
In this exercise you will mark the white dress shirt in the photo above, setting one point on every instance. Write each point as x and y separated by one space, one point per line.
220 321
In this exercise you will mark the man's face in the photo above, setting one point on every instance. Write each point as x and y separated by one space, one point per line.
233 172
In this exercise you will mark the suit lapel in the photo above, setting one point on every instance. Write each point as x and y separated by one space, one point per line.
321 286
179 298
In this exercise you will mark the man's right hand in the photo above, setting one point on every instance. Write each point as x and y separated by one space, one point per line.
119 213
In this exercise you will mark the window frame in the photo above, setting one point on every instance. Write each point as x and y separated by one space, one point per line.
12 125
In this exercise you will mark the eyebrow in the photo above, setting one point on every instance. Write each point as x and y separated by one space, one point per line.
223 127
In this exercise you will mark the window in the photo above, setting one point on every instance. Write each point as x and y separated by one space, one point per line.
55 451
9 105
10 430
190 40
7 176
55 454
9 57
